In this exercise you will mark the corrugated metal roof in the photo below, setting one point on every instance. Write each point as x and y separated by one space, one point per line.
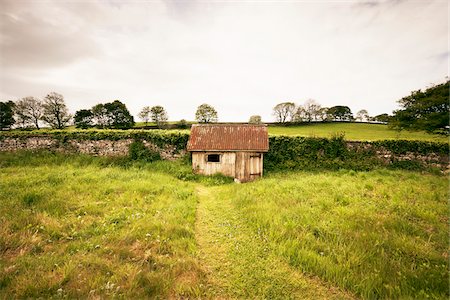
227 137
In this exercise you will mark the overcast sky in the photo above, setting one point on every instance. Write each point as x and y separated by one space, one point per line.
242 57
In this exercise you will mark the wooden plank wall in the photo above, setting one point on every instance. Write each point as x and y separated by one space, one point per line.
249 165
226 166
245 166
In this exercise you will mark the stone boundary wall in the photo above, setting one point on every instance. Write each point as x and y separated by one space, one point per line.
170 152
91 147
387 157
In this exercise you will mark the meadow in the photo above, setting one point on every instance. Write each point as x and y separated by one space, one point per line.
355 132
74 226
351 131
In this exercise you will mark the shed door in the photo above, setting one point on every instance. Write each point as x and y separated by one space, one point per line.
255 165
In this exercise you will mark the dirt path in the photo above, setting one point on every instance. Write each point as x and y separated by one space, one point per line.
238 263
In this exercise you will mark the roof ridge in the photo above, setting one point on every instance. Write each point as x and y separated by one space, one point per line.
230 124
228 137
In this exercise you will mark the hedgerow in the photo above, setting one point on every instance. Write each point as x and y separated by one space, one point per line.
160 138
316 153
419 147
336 153
285 152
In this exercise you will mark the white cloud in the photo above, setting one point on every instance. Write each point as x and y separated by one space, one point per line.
241 57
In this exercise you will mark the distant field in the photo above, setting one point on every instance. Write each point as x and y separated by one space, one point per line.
75 226
354 131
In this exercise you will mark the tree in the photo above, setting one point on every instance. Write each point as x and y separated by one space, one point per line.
6 115
55 112
22 119
206 114
100 115
159 115
83 118
311 110
424 110
362 115
254 120
29 110
284 112
144 114
323 113
299 115
118 116
383 118
112 115
182 124
340 113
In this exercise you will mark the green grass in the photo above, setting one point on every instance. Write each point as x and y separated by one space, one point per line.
379 234
81 227
77 226
354 131
242 264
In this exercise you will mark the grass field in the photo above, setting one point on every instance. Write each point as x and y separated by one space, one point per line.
351 131
86 227
354 131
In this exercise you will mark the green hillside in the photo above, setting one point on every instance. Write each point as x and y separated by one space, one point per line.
354 131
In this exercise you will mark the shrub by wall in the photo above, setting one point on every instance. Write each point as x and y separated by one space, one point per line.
160 138
285 152
168 144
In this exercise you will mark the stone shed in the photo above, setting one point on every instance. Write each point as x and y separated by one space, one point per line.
234 150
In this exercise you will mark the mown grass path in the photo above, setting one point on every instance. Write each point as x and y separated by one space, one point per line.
240 265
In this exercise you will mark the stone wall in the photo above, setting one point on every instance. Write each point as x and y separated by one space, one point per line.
91 147
387 157
169 152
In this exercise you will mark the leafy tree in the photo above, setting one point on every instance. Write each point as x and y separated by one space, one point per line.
29 110
83 118
144 114
112 115
55 111
254 120
424 110
159 115
323 113
384 118
362 115
182 124
284 112
311 110
118 115
21 118
340 113
6 114
206 114
100 115
300 114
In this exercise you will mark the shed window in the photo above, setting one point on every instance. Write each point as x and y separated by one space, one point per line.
213 158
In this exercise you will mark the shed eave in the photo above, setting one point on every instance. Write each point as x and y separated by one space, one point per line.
228 150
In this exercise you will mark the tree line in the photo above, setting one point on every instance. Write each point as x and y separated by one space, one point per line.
289 112
29 112
426 110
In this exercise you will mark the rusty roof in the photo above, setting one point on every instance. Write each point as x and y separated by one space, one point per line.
228 137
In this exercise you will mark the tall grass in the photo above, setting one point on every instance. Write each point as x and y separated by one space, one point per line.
380 234
78 227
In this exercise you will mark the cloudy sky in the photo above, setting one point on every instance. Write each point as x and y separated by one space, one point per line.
242 57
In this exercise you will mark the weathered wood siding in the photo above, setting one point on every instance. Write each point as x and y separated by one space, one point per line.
245 166
226 166
249 166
